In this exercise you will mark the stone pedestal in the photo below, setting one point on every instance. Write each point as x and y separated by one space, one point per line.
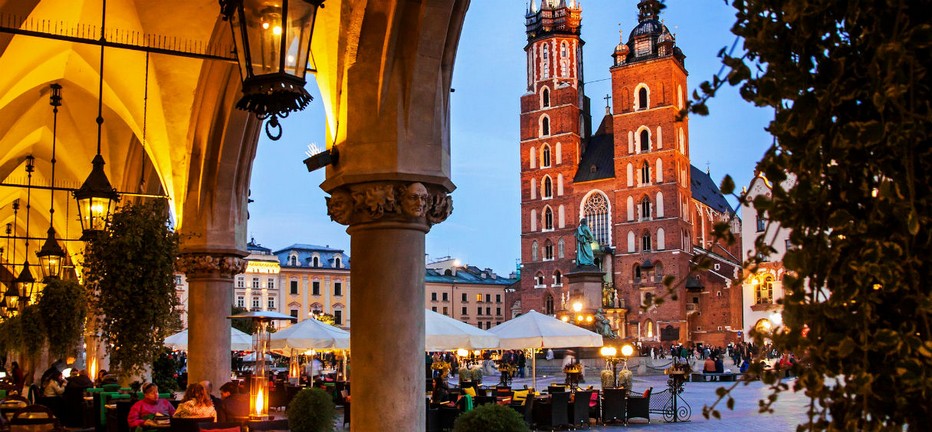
585 285
210 296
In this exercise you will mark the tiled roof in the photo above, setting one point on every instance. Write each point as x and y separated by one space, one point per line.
305 253
598 159
470 275
704 189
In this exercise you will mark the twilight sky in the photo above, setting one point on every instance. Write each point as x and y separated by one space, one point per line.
489 78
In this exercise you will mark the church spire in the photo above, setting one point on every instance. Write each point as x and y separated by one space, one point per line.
532 8
648 10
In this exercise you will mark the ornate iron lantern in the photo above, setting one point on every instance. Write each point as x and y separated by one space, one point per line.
95 199
273 46
25 283
52 256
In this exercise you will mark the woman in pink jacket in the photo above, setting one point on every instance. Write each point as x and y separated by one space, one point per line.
143 413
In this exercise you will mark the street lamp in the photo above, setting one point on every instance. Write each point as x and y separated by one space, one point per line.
610 353
273 46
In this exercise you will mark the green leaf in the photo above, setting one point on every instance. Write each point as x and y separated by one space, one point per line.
728 185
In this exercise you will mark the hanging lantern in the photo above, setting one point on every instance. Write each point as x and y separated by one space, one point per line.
273 45
51 257
25 283
95 200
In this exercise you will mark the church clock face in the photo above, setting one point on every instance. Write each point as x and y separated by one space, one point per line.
642 47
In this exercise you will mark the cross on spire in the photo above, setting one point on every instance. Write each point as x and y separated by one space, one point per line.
608 108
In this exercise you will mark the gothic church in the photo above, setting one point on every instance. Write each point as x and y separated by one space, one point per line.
650 210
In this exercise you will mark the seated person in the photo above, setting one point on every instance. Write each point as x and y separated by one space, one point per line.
55 385
80 381
440 393
144 412
719 365
196 403
708 366
234 405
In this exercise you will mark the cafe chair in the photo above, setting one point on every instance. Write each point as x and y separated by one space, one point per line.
639 406
614 406
553 414
580 411
34 418
220 427
188 424
271 425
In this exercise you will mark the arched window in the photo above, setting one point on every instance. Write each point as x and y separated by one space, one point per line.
548 219
658 270
548 305
533 188
630 205
560 248
561 217
337 263
548 250
636 272
763 291
647 299
642 98
544 126
545 156
533 220
645 241
630 176
558 153
534 250
293 261
649 328
596 212
557 278
545 98
547 188
761 223
645 174
559 184
645 140
645 208
679 96
630 242
532 158
563 51
659 205
661 239
682 140
539 279
659 170
315 261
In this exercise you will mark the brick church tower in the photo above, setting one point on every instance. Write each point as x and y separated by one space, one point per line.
650 210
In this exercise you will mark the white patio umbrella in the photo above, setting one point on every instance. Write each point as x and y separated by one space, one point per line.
443 333
239 341
536 330
309 334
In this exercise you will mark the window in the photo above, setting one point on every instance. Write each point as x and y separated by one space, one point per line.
294 313
763 291
446 311
545 98
240 301
637 273
433 297
315 261
478 311
545 126
271 303
338 288
255 282
539 280
498 311
255 303
761 223
557 278
293 261
548 250
596 210
464 299
560 248
444 297
337 263
433 308
240 282
563 50
645 242
642 98
488 298
478 298
547 191
177 280
534 250
647 299
645 208
315 288
464 311
498 298
488 311
545 156
645 140
645 174
338 317
548 305
548 218
271 283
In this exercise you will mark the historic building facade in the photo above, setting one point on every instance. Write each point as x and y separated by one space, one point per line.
467 293
651 212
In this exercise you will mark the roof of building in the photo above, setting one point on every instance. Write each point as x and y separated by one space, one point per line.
305 253
598 159
705 191
466 275
255 248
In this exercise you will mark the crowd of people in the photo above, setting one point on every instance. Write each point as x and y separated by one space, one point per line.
197 402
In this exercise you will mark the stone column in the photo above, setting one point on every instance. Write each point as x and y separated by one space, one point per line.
387 224
210 297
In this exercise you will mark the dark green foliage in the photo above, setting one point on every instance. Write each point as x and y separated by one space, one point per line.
32 332
490 418
164 369
311 410
131 275
247 326
63 308
849 83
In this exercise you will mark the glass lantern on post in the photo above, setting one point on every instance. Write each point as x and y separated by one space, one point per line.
259 384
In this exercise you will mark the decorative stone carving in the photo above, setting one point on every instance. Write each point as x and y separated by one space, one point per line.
389 201
196 264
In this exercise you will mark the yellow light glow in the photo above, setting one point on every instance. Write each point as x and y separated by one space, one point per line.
265 26
260 401
627 350
578 317
462 352
608 351
277 30
565 318
477 353
577 306
589 318
92 370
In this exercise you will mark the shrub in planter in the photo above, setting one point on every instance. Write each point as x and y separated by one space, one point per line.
608 379
311 410
490 418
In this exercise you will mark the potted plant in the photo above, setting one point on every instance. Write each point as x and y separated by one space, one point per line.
608 379
311 410
490 418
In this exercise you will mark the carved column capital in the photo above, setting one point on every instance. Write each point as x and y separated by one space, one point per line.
203 264
389 201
